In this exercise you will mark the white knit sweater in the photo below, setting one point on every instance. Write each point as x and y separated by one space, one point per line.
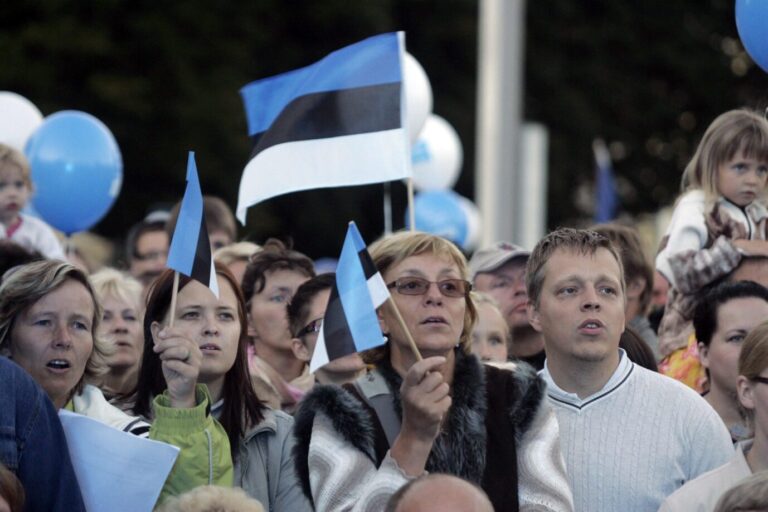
637 440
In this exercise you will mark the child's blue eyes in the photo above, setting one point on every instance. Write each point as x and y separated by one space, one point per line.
15 184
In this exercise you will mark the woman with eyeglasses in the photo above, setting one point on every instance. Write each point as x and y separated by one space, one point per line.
447 413
703 493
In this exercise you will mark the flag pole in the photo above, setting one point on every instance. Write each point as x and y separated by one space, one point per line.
411 209
174 293
387 208
400 320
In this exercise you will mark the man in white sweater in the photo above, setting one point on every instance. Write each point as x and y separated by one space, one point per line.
630 437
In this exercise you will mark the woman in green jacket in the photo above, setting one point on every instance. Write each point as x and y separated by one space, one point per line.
216 328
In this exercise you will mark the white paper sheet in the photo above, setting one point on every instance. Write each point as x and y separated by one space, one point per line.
116 471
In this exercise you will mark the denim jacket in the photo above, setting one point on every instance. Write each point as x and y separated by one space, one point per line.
32 444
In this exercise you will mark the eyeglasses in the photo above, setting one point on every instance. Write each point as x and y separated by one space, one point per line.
313 326
455 288
761 380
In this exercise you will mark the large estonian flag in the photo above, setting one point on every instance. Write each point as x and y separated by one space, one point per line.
337 122
350 324
606 198
190 251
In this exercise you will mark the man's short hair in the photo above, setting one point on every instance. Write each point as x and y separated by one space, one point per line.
708 305
582 241
155 221
298 308
627 241
274 255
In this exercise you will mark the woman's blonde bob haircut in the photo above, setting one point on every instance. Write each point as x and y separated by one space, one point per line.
734 131
112 283
23 286
391 250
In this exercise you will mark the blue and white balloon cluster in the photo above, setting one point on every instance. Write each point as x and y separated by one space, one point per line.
77 168
436 157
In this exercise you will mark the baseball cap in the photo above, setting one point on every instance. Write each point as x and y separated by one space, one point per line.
491 258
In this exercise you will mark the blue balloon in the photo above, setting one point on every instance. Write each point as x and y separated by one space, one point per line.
751 18
77 170
441 213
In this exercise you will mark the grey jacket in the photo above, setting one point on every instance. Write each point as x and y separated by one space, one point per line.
264 467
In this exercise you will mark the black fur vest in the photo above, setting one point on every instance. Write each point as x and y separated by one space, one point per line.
490 412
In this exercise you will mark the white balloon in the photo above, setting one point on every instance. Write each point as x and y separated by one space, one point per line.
437 156
418 96
474 222
19 118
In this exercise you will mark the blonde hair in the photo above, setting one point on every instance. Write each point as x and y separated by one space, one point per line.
753 359
10 156
23 286
736 130
750 494
211 498
110 282
391 250
239 251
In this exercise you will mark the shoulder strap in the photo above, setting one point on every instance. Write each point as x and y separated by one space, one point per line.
374 390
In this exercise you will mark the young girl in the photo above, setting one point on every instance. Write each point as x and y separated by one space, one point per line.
717 221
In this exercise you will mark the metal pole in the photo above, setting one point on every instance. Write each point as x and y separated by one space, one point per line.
498 194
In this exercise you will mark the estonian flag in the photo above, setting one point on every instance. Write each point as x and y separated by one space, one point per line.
606 199
190 251
350 324
334 123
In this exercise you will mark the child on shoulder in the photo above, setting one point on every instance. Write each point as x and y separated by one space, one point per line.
717 221
15 190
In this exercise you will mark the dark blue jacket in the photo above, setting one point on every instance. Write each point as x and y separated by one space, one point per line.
32 444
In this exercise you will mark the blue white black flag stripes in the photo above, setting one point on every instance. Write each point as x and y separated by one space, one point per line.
350 324
190 251
606 199
337 122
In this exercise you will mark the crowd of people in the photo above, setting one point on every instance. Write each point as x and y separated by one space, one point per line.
555 379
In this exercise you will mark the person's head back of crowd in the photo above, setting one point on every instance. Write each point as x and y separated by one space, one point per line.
638 272
269 282
236 257
13 255
446 493
146 247
491 336
121 297
750 495
219 222
306 312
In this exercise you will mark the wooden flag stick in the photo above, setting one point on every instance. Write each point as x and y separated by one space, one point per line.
400 320
387 208
174 293
411 207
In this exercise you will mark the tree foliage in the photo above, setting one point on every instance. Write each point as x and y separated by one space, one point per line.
164 76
